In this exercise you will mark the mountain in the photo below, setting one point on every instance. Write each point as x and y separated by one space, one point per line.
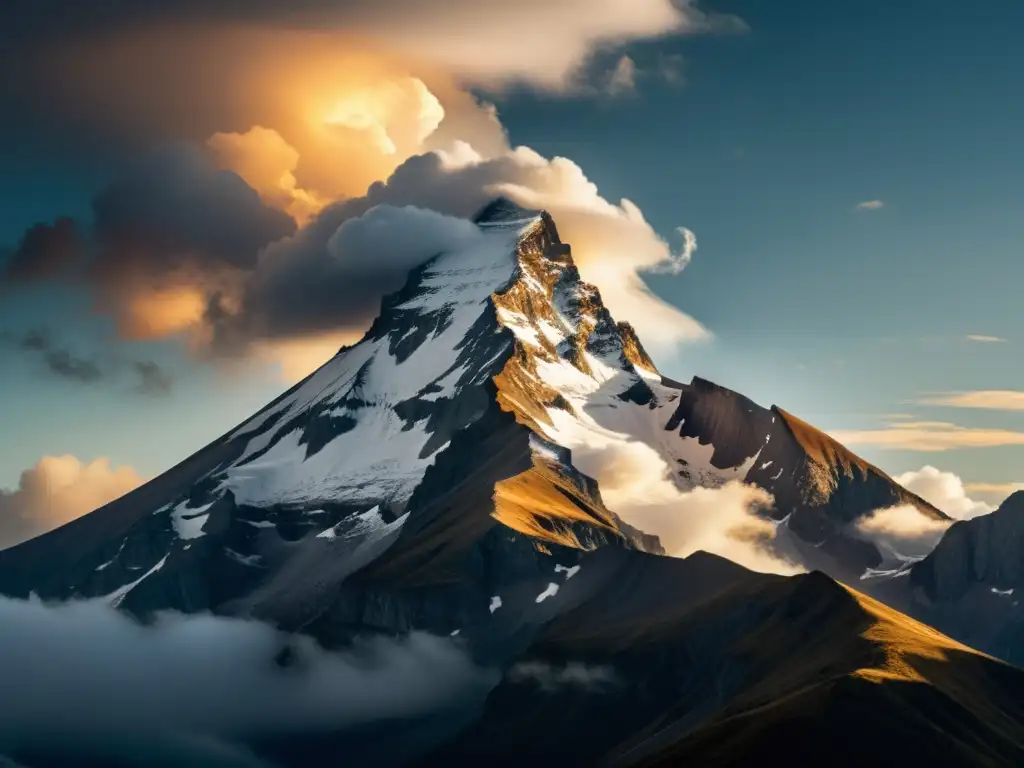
971 583
428 479
820 487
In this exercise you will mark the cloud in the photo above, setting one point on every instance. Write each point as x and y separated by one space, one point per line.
902 529
307 120
623 77
153 379
59 489
870 205
45 250
989 399
64 363
331 275
574 674
928 436
983 339
267 162
479 43
944 490
59 360
87 684
634 483
328 279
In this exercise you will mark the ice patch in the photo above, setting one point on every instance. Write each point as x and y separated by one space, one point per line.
1003 592
495 603
551 591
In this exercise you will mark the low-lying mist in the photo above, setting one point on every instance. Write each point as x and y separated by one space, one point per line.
84 684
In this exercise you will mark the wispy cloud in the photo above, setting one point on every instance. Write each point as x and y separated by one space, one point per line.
61 361
994 488
987 399
870 205
623 77
983 339
928 436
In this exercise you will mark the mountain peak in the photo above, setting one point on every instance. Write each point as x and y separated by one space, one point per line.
502 210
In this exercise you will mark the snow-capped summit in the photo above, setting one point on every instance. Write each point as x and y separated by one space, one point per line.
501 337
429 478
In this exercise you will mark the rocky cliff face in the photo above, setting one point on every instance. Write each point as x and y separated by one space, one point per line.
971 585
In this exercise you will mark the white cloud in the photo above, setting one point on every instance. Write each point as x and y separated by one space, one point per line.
928 436
988 399
903 529
983 339
870 205
59 489
634 483
944 490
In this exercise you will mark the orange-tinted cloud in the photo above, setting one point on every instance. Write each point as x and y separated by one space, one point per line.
59 489
323 116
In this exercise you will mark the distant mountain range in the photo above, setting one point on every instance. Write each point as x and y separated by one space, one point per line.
424 480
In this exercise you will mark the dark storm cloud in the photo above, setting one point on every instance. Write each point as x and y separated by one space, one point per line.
45 250
170 209
61 361
85 684
174 207
333 275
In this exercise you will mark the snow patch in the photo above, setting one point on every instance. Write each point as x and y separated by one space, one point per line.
115 598
188 523
551 591
569 571
495 603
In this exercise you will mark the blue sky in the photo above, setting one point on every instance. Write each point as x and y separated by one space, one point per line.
843 315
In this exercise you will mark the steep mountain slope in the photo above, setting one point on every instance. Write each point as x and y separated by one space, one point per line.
736 669
970 585
425 479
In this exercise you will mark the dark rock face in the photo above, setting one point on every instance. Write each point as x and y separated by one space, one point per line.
988 550
820 488
971 584
725 672
734 424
